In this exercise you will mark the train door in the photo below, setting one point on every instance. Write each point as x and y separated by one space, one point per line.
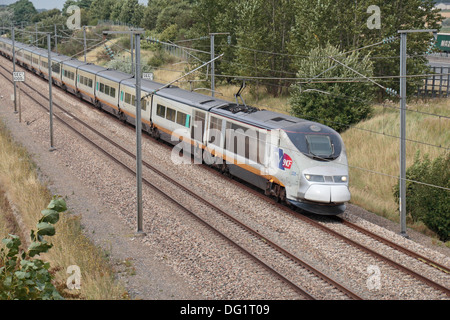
198 127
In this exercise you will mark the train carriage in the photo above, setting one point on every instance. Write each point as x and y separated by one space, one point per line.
57 62
127 104
107 85
183 111
86 81
36 54
8 49
27 61
69 74
19 48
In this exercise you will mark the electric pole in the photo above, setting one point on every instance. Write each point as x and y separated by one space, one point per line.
213 80
14 67
84 42
137 38
403 73
52 147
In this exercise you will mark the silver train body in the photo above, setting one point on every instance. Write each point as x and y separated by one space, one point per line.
297 161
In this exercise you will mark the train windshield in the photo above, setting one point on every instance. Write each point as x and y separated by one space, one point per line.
319 146
315 141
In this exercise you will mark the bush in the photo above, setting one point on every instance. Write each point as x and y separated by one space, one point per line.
22 277
338 104
426 203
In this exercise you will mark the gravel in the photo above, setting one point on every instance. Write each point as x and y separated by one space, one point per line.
178 258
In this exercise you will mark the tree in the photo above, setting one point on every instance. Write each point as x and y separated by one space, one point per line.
6 16
24 10
338 104
101 9
343 23
426 203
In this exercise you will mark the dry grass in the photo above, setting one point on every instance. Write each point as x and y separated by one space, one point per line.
373 156
71 247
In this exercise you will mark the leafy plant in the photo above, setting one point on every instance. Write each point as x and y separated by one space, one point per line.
339 104
426 203
22 276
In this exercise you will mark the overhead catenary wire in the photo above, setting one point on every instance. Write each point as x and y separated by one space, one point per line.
352 79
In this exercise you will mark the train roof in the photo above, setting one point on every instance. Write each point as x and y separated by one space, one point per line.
146 85
92 68
193 99
56 57
114 75
39 52
246 114
74 63
260 118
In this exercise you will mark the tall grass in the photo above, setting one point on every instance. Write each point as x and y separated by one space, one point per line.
18 176
373 151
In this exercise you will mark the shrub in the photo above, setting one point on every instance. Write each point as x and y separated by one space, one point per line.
336 104
426 203
22 277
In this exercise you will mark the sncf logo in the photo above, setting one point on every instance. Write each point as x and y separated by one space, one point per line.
285 161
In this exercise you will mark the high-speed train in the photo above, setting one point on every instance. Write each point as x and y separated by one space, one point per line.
299 162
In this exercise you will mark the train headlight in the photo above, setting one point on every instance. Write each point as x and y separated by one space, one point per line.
314 178
340 179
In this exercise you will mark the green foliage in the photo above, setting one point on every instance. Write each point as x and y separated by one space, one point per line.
24 10
425 203
343 23
338 104
124 64
23 277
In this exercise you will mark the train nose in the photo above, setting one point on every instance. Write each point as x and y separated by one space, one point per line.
327 193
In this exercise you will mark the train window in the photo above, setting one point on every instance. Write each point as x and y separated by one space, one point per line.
90 83
237 140
144 104
127 98
102 87
161 110
56 67
183 119
112 92
319 145
170 114
215 126
69 74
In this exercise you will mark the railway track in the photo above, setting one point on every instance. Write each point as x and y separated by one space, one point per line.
259 238
324 226
296 273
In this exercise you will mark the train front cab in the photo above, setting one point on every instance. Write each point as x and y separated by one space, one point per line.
319 163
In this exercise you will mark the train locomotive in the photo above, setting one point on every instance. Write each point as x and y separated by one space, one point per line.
299 162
